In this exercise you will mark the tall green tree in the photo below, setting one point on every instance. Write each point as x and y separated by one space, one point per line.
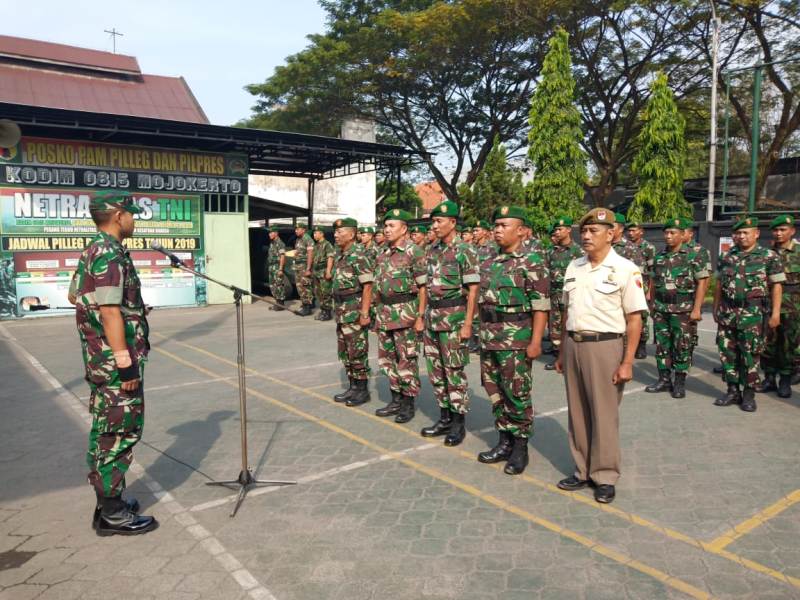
660 162
554 138
496 184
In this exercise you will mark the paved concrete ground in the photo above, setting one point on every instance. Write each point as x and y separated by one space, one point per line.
708 505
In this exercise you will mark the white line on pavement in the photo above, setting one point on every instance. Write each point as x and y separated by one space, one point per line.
209 543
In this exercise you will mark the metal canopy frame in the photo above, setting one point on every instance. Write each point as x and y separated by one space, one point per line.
270 152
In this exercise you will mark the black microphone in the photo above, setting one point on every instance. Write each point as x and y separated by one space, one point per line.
176 262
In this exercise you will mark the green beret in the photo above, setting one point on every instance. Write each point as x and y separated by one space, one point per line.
445 209
459 227
111 199
319 228
619 218
597 216
398 214
419 228
275 228
631 224
365 229
562 221
745 222
687 223
346 222
782 220
510 212
483 224
676 223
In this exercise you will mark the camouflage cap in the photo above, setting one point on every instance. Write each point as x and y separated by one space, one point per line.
398 214
419 228
619 218
483 224
445 209
111 199
346 222
675 223
746 222
782 220
597 216
510 212
366 230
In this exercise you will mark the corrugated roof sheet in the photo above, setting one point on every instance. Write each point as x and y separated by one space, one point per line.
71 55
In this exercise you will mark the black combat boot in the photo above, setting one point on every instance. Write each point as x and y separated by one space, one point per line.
519 457
664 384
768 384
279 306
748 400
132 504
551 366
679 386
406 412
500 452
342 396
360 393
304 311
457 430
441 426
641 350
732 396
718 370
392 408
785 386
117 519
325 315
474 345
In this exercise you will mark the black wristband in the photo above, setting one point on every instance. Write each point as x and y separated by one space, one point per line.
128 373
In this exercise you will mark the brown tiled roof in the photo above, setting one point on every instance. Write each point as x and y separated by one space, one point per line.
431 194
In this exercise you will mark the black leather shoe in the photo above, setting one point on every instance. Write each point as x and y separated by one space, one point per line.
360 393
679 386
664 383
785 386
457 431
500 452
641 351
441 427
342 396
116 519
767 385
392 408
605 494
572 483
748 400
325 315
519 457
304 311
132 505
406 412
732 396
718 370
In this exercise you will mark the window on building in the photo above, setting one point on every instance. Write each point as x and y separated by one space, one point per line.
224 203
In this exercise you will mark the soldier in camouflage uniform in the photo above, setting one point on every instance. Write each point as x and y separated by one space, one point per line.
419 235
276 260
680 280
782 350
323 274
453 278
400 278
486 248
749 276
558 256
380 240
352 293
627 249
636 236
704 258
112 327
303 261
514 302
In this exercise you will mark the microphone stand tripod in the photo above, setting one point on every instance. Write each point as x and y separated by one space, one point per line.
246 479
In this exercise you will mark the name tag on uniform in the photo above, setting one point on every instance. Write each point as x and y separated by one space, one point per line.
569 280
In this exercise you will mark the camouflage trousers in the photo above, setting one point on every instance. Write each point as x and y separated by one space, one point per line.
117 422
506 377
673 333
554 323
278 283
397 359
740 346
352 342
323 291
304 285
782 349
446 356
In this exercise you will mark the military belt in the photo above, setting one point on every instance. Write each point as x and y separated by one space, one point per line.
492 316
758 302
339 296
398 299
593 337
447 303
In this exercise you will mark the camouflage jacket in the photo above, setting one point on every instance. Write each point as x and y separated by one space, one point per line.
301 247
371 251
675 276
399 271
558 259
627 249
451 267
703 255
744 280
486 251
532 244
322 251
352 268
790 258
276 249
511 284
649 252
105 276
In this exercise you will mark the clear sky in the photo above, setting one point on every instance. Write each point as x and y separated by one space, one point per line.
217 46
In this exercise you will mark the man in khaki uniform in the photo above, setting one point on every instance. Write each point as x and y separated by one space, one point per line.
603 301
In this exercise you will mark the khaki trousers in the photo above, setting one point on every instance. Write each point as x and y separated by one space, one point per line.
593 403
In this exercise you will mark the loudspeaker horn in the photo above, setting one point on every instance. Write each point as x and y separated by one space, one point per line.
10 133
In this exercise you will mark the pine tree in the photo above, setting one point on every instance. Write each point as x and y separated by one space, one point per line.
495 185
555 136
661 159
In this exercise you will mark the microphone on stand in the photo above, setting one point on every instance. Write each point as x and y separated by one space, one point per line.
176 262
